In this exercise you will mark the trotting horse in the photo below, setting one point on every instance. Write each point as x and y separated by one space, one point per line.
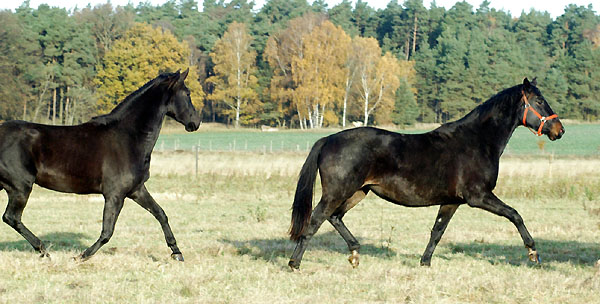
109 155
452 165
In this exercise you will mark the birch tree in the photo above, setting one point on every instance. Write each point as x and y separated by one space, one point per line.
235 64
282 47
377 76
319 73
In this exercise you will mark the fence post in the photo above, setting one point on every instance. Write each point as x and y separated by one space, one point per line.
197 148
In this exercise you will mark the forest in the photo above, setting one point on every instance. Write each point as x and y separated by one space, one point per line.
295 64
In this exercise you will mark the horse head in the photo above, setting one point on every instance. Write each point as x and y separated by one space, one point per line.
179 105
537 114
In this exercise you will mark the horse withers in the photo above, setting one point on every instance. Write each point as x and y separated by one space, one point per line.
452 165
109 155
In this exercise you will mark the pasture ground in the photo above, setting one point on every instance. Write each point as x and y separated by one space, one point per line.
231 222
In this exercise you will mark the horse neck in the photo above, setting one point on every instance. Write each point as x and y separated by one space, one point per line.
492 123
144 117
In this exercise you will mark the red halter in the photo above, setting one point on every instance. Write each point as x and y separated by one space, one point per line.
542 118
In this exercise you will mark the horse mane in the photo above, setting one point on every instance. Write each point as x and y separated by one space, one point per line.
122 108
494 105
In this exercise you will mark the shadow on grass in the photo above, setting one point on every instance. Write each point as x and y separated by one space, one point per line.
270 249
573 252
55 241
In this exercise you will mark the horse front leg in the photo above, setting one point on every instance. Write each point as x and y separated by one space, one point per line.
144 199
441 222
488 201
112 208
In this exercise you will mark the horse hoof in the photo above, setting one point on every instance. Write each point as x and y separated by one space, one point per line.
293 266
534 256
294 269
353 258
426 263
177 257
80 258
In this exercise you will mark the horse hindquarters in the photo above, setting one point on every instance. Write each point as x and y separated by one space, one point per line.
16 176
338 196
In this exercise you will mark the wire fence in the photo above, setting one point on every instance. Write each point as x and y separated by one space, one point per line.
580 140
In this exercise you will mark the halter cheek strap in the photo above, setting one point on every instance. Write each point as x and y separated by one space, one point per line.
542 118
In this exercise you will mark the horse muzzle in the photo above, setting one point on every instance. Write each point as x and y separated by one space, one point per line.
191 126
556 131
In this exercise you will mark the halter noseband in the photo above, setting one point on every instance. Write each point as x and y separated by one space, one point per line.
542 118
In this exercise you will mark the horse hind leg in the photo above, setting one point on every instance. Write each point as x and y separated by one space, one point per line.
336 221
322 211
145 200
17 200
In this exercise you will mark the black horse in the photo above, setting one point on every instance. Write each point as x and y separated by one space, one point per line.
110 155
454 164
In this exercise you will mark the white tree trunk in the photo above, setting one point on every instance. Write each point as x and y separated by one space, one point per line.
366 121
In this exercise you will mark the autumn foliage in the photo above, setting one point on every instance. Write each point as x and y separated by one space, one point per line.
142 54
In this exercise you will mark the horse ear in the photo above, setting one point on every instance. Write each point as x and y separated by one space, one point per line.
526 83
173 79
184 75
534 81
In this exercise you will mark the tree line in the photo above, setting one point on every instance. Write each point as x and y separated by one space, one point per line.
295 64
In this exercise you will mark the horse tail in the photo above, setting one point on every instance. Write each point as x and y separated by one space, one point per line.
302 207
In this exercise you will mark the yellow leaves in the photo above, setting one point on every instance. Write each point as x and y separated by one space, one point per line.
378 78
142 54
321 68
235 65
308 59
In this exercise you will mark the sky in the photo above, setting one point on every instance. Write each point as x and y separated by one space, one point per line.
515 7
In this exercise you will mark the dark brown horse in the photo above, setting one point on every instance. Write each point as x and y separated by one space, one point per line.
452 165
109 154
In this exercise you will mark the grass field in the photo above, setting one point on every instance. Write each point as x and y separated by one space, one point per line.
579 140
231 221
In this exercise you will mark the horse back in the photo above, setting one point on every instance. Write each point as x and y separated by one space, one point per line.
63 158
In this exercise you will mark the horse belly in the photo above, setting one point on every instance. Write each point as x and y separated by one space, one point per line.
410 193
69 171
70 183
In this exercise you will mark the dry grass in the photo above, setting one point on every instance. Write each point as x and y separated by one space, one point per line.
231 224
